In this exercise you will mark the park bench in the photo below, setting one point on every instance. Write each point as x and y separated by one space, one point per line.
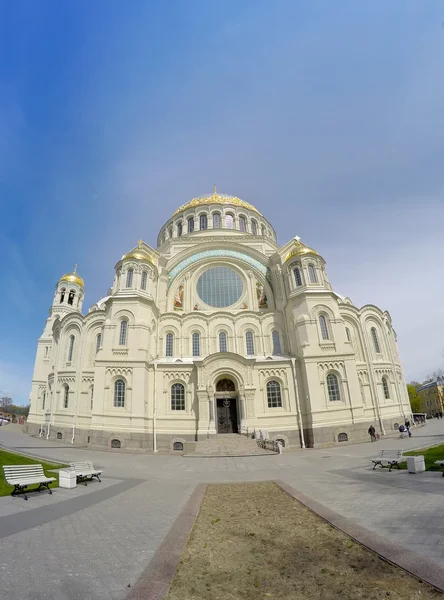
389 457
84 471
441 463
20 476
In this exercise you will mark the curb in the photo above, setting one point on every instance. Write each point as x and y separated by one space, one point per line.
415 564
156 579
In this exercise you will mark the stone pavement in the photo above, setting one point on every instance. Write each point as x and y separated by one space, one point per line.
93 541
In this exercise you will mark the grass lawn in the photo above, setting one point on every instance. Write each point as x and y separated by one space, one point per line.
12 458
252 540
430 455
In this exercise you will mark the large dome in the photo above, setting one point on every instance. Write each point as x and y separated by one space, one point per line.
216 198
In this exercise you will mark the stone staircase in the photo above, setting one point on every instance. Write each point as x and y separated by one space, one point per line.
228 444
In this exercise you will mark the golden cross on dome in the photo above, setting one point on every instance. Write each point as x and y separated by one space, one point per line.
75 268
214 189
139 244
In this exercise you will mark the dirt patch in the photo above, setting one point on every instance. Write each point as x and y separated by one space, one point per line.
252 540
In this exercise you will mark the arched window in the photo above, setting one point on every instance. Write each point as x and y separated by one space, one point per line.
92 396
375 340
179 229
143 280
170 232
71 348
229 221
43 400
242 224
116 443
386 388
333 388
249 342
324 327
129 278
191 225
216 220
196 344
222 341
203 222
177 397
274 397
119 393
66 396
123 333
169 344
263 229
98 341
347 331
253 227
312 274
71 297
276 343
46 351
62 294
297 276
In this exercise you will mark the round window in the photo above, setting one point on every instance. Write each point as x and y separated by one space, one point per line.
219 287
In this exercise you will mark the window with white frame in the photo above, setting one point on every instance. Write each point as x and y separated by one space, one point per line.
43 400
216 220
177 396
62 294
374 335
71 296
229 221
249 342
91 396
190 225
253 227
274 396
324 327
386 388
297 276
333 387
276 343
169 342
196 344
203 222
119 393
312 274
98 341
179 229
347 331
129 278
123 333
143 280
66 396
242 224
71 348
222 341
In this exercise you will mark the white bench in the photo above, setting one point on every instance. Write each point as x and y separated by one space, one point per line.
20 476
389 457
85 470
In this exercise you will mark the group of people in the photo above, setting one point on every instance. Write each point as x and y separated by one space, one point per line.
402 428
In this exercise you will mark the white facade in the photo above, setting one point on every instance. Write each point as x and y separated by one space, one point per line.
218 330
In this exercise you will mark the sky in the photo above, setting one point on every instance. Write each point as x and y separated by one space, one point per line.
327 116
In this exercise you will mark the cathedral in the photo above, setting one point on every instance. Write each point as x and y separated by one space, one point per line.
219 330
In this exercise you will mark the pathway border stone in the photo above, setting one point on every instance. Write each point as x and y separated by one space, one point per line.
155 581
410 561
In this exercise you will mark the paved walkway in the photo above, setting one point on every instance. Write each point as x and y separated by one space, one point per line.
94 541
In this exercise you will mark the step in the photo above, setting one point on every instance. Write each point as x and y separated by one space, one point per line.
226 445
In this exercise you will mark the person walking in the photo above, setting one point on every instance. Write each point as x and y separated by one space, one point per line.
372 432
407 426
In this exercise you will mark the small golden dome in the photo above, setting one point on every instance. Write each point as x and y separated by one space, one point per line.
299 249
73 277
138 254
216 198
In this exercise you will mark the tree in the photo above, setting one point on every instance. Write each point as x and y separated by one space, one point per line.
5 404
415 400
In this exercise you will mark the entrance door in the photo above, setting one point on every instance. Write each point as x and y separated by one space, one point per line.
227 415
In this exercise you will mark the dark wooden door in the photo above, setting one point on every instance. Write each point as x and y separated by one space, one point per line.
226 415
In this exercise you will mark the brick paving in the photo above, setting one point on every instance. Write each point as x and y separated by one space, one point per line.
94 541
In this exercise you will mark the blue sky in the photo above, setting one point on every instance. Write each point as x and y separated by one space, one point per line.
328 116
